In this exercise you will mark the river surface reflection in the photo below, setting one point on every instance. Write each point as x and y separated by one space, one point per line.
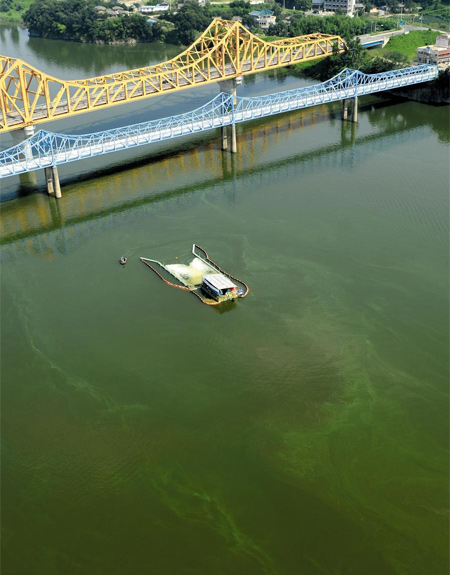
305 430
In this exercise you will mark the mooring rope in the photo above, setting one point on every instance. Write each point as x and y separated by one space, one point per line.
163 279
247 289
179 287
206 302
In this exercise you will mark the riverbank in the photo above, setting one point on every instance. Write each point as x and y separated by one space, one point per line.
126 42
399 52
437 92
317 407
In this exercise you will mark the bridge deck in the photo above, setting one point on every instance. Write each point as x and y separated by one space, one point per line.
46 149
226 49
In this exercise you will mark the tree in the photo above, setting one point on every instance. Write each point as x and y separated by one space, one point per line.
354 57
77 20
240 8
5 5
304 5
278 29
189 21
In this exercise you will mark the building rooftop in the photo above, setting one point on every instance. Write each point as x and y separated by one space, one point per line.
219 281
263 12
433 47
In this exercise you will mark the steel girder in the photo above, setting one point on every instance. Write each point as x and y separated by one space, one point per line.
50 149
225 50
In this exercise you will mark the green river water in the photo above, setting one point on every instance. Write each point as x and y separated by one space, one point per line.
303 431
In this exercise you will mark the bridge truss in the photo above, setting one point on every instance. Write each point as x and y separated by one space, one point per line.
225 50
46 149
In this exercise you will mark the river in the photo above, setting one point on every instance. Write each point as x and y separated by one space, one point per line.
303 431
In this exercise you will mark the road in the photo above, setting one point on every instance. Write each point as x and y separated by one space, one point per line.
389 33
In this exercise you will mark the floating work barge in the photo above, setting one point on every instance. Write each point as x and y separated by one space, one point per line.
202 277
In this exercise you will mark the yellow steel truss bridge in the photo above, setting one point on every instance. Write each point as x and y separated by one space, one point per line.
225 50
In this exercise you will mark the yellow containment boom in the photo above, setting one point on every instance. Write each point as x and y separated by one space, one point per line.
225 50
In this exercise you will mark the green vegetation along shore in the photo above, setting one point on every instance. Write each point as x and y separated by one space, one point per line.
400 51
81 20
407 44
78 20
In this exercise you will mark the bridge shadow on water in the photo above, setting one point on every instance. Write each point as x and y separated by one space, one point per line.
279 124
39 222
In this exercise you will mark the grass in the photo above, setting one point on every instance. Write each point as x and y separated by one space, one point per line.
17 11
407 44
435 21
442 12
307 64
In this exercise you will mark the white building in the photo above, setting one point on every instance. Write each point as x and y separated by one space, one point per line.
263 18
163 7
439 53
443 41
347 6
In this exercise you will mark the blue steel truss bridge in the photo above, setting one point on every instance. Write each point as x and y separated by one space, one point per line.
49 150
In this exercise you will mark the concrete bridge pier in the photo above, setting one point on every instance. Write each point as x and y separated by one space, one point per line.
27 180
52 182
230 87
56 182
355 110
344 109
233 139
53 185
224 138
49 181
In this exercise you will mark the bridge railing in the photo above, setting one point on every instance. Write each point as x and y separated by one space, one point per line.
226 49
50 149
347 84
45 148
